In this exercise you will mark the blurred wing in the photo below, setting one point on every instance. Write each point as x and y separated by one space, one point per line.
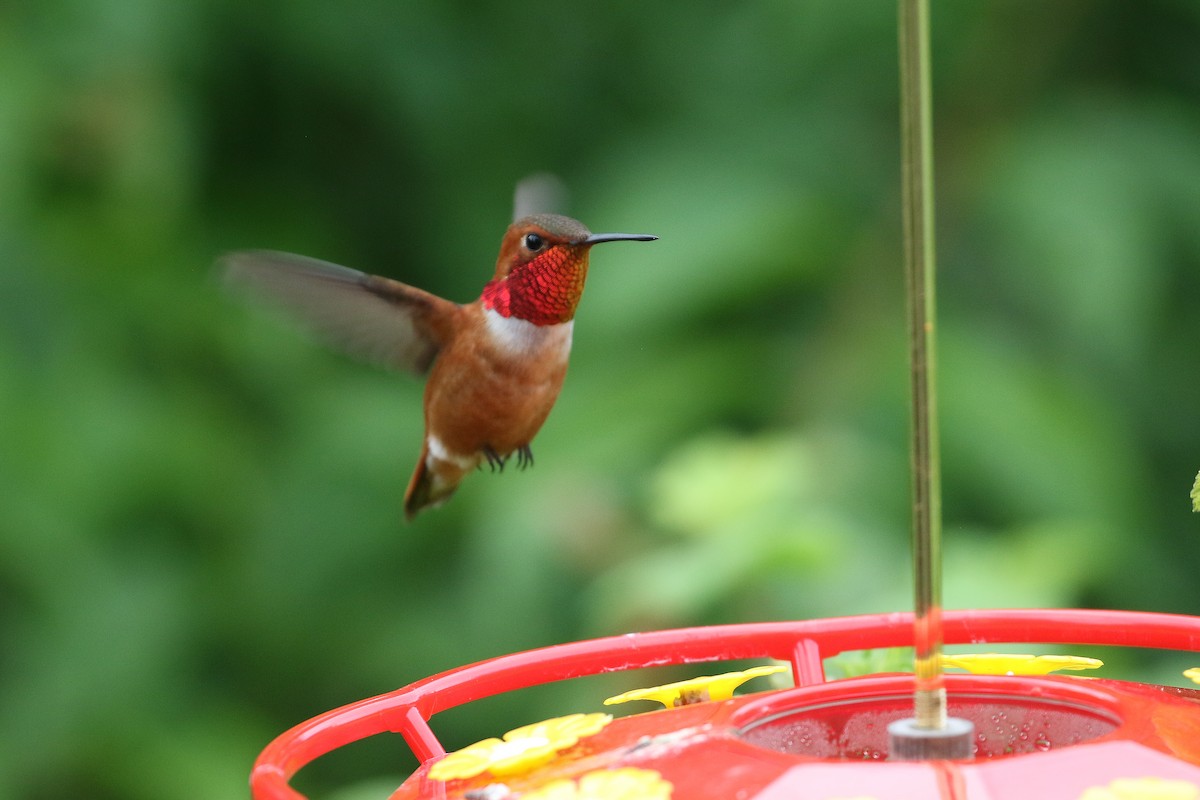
374 318
541 193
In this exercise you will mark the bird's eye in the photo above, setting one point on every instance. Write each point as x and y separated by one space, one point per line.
533 242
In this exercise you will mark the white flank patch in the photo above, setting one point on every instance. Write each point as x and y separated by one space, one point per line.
438 451
520 336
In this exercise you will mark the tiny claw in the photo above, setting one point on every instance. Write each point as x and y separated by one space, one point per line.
524 457
495 460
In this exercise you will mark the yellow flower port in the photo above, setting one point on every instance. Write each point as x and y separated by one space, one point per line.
522 749
1143 789
696 690
626 783
1018 664
1192 674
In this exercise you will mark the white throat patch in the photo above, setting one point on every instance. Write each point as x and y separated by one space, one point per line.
519 336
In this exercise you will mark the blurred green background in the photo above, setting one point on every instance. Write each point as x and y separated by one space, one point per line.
200 524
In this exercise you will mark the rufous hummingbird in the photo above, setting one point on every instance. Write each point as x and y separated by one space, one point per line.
495 365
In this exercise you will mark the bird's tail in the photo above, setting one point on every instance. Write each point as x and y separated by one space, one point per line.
428 487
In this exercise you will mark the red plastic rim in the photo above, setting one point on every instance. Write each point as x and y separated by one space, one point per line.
804 644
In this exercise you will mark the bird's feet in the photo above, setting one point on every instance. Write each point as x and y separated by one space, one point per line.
524 457
497 462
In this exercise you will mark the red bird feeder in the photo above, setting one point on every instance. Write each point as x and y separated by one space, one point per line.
1052 737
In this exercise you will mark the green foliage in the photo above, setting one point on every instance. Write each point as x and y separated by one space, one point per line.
869 662
200 527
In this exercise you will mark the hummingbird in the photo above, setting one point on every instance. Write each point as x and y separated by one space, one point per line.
495 366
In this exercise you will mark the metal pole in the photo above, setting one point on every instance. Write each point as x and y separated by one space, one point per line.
929 734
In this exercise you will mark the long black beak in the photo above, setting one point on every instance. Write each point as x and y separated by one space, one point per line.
597 238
